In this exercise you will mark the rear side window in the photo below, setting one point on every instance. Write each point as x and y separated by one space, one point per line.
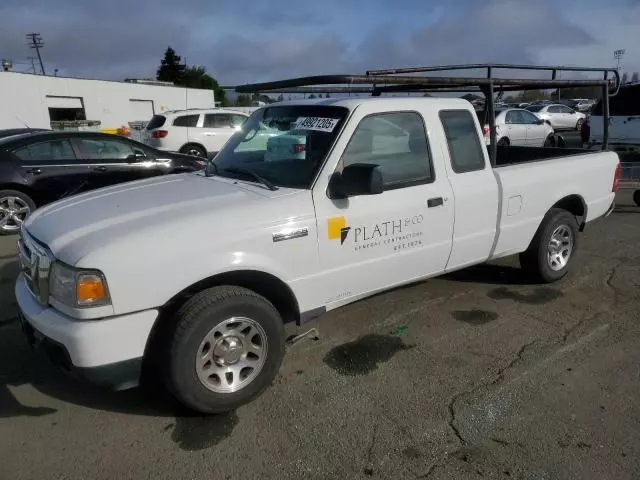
626 102
397 142
186 121
104 149
463 141
217 120
156 122
51 151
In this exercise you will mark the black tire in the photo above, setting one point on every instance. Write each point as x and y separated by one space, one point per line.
19 198
549 142
194 321
579 125
535 261
194 150
503 142
636 197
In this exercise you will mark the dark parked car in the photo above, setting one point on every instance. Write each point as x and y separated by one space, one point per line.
37 168
7 132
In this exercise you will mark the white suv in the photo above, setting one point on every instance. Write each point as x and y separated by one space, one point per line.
196 132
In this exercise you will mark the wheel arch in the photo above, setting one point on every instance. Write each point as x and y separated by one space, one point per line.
197 144
268 285
576 205
23 189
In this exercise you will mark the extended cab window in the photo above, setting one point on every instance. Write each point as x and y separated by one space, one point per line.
52 151
463 141
397 142
186 121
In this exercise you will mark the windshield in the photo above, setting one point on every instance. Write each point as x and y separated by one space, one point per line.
285 145
535 108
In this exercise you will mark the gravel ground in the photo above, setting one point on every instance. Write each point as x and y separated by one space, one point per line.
478 374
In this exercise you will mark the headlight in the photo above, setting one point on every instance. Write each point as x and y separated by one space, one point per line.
78 288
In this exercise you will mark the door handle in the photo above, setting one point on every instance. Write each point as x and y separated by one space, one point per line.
435 202
34 171
101 168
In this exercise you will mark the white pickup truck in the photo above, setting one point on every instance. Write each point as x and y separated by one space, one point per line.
200 271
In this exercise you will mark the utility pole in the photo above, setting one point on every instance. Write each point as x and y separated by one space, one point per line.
34 40
33 63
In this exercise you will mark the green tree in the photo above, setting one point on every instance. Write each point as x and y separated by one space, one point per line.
196 76
171 69
243 100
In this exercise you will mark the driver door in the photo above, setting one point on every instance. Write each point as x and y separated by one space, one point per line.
372 242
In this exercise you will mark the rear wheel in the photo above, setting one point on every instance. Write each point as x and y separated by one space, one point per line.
636 197
195 150
579 124
226 348
503 142
15 207
553 247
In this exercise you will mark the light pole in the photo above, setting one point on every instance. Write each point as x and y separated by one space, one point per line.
618 54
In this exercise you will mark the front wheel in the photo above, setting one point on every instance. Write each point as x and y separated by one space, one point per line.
15 207
553 247
579 125
226 348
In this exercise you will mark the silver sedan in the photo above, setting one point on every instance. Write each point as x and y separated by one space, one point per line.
559 116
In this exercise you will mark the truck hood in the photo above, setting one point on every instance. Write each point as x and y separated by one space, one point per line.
75 226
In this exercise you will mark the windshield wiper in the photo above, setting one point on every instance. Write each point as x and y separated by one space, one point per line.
252 174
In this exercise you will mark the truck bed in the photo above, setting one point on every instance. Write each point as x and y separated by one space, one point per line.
512 155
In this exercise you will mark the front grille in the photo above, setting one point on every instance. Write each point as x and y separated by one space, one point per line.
35 262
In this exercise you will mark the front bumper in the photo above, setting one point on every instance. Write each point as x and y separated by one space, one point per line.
107 351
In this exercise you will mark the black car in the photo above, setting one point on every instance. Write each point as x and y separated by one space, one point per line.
37 168
7 132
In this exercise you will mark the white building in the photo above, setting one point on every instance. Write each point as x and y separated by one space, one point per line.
36 100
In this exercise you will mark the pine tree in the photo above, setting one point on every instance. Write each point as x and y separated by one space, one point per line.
171 70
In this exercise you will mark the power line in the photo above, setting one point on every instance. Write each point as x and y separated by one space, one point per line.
34 40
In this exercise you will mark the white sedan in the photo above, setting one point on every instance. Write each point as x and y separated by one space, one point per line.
515 126
559 116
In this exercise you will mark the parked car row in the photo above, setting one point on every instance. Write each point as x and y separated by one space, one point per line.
38 167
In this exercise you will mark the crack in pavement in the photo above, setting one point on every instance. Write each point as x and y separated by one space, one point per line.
616 290
452 402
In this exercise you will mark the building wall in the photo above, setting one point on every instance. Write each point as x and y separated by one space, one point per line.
23 99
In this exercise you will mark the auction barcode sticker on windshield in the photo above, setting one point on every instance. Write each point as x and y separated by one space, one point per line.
316 123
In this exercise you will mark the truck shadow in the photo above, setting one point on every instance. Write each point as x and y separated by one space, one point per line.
491 274
21 366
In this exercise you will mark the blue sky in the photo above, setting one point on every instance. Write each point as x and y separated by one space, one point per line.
245 41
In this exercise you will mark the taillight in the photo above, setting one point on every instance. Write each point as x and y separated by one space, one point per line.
159 133
616 179
298 148
485 130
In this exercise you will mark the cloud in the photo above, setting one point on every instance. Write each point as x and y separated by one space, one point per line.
247 41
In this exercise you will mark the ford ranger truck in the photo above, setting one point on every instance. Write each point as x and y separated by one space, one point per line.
200 271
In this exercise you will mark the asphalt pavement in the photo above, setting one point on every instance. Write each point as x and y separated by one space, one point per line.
474 375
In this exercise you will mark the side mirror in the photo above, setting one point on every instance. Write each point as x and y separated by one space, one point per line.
540 121
356 179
